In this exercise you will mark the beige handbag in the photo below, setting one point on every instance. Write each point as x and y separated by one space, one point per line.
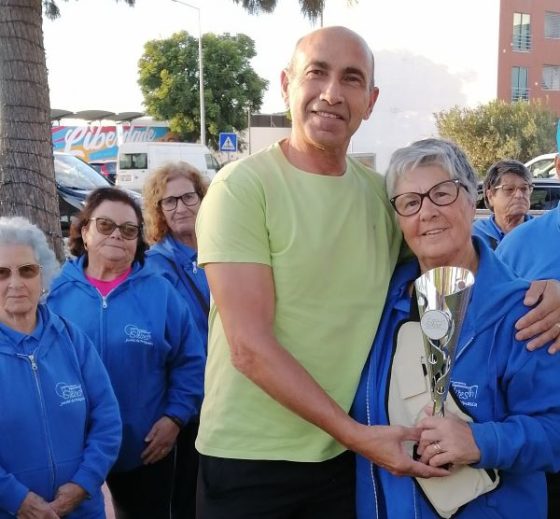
408 396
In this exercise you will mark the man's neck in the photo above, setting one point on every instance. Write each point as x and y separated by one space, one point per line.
314 160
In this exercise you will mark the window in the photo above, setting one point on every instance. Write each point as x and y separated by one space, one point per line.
519 90
551 77
551 25
521 32
133 161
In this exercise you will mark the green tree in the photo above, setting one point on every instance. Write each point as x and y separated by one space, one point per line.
313 9
499 130
27 184
168 78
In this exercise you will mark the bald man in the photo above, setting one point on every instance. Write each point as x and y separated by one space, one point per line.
299 243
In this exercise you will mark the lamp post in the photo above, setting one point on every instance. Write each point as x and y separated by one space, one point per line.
200 74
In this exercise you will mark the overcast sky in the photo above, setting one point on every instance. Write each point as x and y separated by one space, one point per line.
431 54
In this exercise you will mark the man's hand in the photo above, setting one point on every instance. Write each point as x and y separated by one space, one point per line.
542 323
35 507
383 445
160 440
68 497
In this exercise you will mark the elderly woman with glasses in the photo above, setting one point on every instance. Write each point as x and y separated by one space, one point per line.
146 339
59 419
507 193
172 197
503 430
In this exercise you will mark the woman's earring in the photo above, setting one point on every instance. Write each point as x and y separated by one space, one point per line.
85 245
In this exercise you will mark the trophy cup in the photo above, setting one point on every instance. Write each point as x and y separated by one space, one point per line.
442 295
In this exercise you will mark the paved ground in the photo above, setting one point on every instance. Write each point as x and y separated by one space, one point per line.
108 507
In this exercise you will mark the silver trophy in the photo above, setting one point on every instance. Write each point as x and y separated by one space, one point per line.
443 296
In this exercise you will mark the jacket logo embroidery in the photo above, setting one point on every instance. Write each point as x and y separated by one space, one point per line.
466 394
135 334
69 393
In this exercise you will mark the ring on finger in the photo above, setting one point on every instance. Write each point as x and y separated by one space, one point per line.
437 447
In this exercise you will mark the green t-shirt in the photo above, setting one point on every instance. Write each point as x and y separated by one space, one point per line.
332 243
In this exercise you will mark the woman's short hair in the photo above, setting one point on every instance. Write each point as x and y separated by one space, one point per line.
93 201
16 230
154 190
432 152
496 171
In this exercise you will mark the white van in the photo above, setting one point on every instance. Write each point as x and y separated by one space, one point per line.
137 159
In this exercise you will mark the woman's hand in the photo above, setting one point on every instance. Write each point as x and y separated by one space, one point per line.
68 497
35 507
446 441
160 439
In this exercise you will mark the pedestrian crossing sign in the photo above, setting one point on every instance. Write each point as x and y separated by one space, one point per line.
228 142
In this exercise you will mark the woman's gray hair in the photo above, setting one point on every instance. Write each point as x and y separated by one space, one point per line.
16 230
431 152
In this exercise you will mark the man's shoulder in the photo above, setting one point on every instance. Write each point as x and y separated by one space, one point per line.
250 166
532 229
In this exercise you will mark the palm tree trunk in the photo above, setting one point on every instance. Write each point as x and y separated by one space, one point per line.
27 186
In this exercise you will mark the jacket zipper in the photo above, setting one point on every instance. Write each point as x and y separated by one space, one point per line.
35 370
368 412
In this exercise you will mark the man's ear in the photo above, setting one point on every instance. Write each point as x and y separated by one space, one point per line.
373 95
285 82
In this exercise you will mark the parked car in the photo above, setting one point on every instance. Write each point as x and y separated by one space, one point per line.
542 166
545 196
108 169
74 181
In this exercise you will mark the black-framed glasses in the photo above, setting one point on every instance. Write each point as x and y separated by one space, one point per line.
170 202
442 194
106 226
25 271
509 190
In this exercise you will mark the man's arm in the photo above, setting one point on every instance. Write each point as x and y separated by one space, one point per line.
245 298
542 323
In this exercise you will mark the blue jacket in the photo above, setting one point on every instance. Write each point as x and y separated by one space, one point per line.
59 419
532 250
511 393
148 343
488 230
178 263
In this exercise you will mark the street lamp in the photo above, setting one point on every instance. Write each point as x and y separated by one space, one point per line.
200 75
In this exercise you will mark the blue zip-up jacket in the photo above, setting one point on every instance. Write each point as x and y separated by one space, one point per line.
148 342
59 418
511 393
532 250
487 229
178 263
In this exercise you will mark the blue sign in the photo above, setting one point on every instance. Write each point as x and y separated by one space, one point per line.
228 142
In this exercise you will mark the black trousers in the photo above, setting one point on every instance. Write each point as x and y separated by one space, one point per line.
143 493
553 489
183 503
247 489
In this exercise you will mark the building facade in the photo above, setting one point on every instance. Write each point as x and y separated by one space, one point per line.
529 51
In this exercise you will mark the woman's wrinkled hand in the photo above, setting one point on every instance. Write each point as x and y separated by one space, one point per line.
35 507
160 440
68 497
446 441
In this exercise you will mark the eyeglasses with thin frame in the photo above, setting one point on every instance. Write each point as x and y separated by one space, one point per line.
442 194
509 190
106 226
25 271
170 202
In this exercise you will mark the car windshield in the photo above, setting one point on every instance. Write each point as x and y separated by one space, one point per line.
72 172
